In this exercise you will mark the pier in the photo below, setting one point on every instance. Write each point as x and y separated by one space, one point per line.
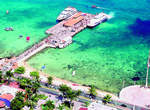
66 28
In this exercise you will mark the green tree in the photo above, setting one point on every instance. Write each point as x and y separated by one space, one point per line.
61 107
87 103
17 103
106 99
92 91
64 88
28 92
36 86
20 70
24 82
20 95
9 74
49 105
49 80
32 101
78 92
71 95
1 77
34 74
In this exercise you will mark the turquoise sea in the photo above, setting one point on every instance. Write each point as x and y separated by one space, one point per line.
104 56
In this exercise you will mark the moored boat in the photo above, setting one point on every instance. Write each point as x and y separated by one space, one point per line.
98 19
65 42
69 11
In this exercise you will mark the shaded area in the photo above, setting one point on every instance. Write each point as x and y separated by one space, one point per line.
140 27
136 78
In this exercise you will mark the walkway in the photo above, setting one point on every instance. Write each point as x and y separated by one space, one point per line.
136 95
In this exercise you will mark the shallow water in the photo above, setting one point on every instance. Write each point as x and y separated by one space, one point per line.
104 56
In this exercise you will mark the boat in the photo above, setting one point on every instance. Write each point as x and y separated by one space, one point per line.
9 29
43 67
74 72
7 11
93 6
98 19
69 11
28 39
65 42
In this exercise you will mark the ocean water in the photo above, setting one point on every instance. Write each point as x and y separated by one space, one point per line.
104 56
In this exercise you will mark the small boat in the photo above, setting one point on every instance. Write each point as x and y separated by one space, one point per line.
43 68
93 6
28 39
9 29
74 72
20 36
7 11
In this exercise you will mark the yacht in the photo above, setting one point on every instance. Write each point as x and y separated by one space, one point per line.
98 19
67 13
65 42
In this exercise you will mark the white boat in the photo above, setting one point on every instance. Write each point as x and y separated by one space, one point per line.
65 42
98 19
69 11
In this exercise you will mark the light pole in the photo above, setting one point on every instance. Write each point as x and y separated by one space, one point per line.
147 70
123 83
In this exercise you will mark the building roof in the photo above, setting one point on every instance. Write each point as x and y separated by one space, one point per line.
14 67
7 96
15 64
76 18
14 84
2 104
81 108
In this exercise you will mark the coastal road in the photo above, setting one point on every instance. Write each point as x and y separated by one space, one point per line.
118 104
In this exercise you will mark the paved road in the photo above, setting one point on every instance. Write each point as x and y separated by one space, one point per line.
116 103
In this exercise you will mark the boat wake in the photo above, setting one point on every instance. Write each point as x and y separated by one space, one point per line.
101 8
111 15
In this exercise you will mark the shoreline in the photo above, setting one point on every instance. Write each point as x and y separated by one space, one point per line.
59 81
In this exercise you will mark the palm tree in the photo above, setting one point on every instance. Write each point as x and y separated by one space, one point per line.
32 102
61 107
20 95
20 70
92 91
71 95
9 74
106 99
64 88
36 86
49 105
87 103
1 77
28 92
49 80
78 92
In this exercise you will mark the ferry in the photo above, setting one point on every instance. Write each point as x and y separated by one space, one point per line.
65 42
98 19
69 11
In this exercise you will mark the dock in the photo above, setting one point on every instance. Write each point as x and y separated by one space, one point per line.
66 28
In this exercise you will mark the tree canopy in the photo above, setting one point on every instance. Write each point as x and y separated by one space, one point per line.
34 73
20 70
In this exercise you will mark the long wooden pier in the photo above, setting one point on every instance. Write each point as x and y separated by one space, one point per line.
57 34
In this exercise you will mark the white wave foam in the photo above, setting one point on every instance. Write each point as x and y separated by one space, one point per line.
111 15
